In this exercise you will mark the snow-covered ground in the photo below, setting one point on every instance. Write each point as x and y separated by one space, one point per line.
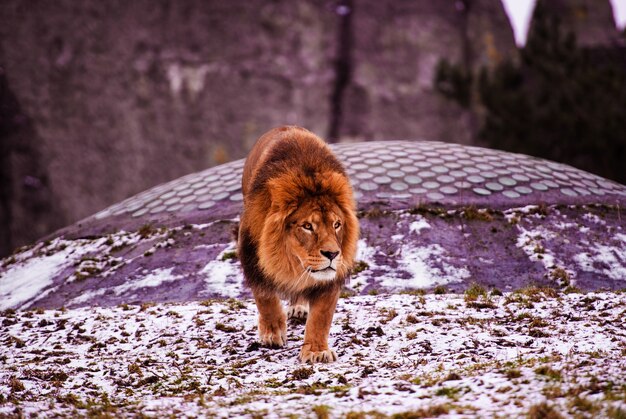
524 353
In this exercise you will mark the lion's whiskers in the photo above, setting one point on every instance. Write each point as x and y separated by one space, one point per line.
308 274
300 260
299 278
302 278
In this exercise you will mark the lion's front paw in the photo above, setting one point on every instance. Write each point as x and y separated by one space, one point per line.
324 355
297 311
273 334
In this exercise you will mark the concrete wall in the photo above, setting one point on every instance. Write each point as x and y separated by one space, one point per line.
391 93
108 98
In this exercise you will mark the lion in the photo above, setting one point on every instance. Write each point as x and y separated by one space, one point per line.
297 237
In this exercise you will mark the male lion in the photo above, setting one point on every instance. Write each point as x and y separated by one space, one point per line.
298 235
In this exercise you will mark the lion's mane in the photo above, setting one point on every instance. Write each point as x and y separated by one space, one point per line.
291 166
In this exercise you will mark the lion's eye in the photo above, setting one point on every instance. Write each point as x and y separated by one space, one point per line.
337 224
307 226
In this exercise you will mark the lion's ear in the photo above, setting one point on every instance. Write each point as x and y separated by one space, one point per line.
282 195
338 186
276 218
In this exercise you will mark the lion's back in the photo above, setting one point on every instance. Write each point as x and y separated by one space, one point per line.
285 149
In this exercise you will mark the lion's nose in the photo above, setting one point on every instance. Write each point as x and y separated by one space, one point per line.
329 255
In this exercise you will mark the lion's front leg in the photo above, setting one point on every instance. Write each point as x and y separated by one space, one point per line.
321 311
272 320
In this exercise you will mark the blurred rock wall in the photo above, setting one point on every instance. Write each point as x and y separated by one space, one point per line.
397 47
124 95
27 206
102 99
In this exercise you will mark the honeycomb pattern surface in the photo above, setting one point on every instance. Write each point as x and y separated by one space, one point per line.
419 171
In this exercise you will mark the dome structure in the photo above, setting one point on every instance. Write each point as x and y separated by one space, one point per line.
431 214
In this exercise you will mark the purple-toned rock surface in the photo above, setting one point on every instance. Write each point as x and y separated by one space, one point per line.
431 214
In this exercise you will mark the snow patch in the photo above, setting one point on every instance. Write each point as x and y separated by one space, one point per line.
605 260
32 277
420 263
365 253
152 279
25 281
513 213
223 276
562 225
418 225
594 218
531 242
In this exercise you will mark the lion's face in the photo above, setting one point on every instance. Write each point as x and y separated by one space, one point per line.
310 233
314 234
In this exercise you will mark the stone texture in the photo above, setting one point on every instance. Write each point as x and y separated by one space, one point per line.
570 233
517 180
27 210
391 92
126 95
102 99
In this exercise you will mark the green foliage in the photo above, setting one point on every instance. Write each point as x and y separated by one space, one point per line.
548 372
451 392
229 256
474 291
440 290
476 297
360 266
561 102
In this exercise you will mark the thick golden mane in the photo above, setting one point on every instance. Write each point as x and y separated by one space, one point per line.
288 170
